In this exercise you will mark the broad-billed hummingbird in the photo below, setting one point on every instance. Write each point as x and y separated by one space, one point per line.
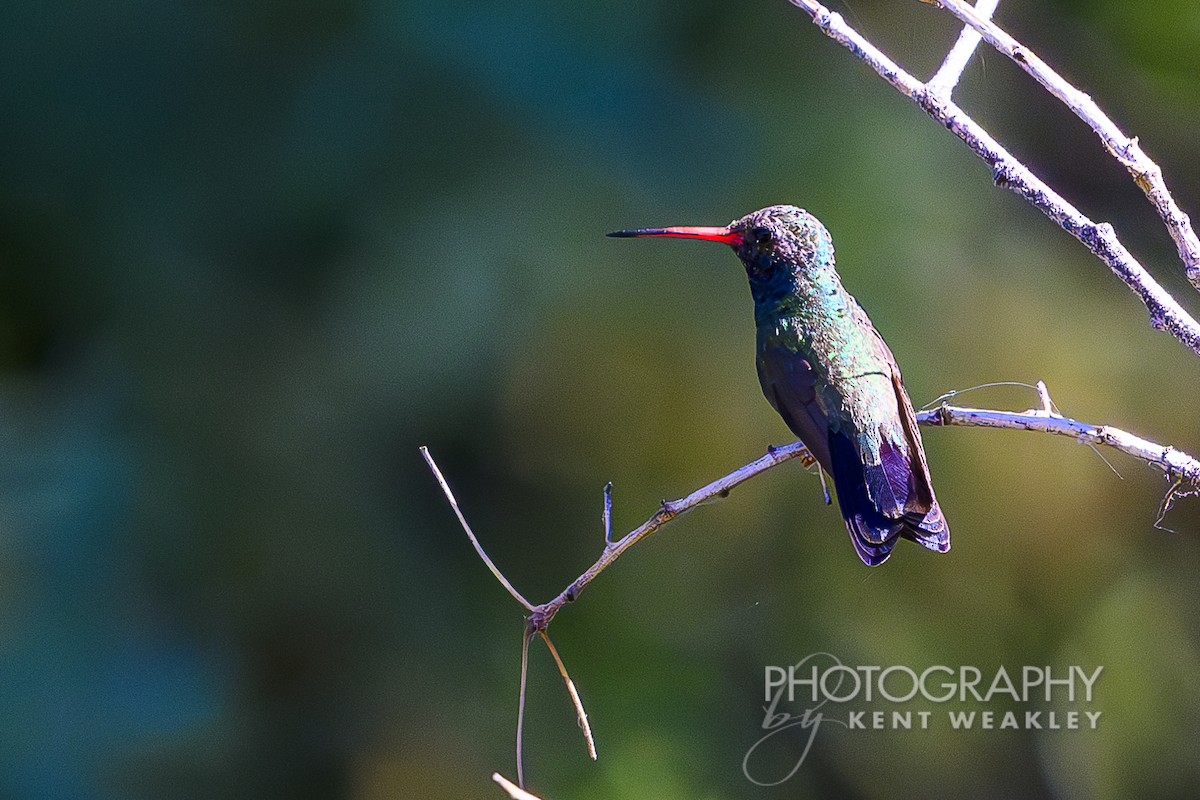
829 374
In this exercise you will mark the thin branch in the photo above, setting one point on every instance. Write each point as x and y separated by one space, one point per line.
667 511
437 473
514 791
951 71
1178 465
526 638
579 712
1146 174
1165 312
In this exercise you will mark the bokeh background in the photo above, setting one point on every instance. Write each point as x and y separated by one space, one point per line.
252 255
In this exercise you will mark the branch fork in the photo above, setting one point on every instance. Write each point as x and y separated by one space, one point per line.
935 98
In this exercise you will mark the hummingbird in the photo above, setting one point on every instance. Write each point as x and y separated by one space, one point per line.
828 373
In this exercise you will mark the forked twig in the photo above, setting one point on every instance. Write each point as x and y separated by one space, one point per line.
1165 312
951 71
1146 174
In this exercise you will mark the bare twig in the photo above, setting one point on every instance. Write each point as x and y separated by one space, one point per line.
437 473
1146 174
1165 312
514 791
948 75
540 616
579 712
1176 464
667 511
526 638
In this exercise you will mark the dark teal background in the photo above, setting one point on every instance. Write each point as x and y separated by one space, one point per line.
253 254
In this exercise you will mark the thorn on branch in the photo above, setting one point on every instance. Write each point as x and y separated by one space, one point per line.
1044 396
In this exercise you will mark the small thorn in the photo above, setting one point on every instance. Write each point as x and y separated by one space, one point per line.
1044 396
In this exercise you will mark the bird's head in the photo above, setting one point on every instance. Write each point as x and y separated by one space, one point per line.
776 244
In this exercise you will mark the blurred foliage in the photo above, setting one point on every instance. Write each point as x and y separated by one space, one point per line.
253 254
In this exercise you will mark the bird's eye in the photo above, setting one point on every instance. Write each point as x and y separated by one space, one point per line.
761 236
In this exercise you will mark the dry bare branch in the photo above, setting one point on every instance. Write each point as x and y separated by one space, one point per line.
1165 312
948 74
437 473
1146 174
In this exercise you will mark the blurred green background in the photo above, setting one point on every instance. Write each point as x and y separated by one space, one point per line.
252 255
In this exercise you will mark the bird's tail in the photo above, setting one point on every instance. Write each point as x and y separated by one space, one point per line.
872 533
929 530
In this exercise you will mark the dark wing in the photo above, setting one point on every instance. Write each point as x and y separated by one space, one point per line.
925 524
872 534
882 502
788 381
